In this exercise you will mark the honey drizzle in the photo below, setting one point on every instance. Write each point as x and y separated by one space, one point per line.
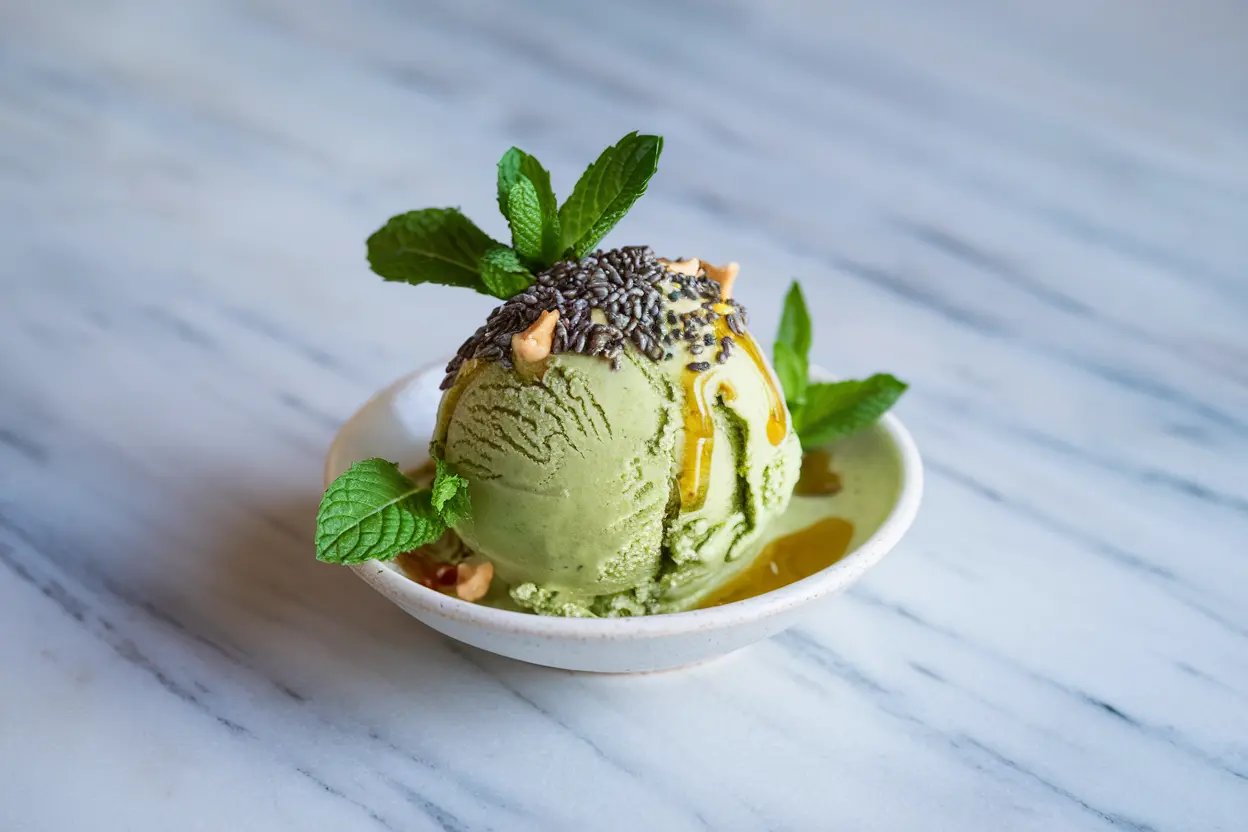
700 389
778 415
817 478
695 478
788 559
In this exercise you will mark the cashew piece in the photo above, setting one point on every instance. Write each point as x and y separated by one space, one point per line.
688 267
473 580
533 344
723 275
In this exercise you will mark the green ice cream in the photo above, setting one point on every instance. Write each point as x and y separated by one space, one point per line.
626 491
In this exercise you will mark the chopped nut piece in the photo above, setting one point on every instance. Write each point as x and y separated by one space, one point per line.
533 344
688 267
474 580
724 276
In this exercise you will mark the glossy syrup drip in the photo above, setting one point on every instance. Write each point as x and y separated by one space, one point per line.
700 392
788 559
700 389
817 478
778 416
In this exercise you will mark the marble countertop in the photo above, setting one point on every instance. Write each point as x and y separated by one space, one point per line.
1034 212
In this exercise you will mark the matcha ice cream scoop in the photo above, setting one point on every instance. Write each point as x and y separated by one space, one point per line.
622 460
611 440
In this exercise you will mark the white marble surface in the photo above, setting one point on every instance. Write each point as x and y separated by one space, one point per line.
1035 212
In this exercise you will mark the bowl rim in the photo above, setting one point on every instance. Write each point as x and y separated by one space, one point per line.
392 582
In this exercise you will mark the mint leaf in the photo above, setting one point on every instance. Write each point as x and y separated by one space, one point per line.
795 328
373 512
840 408
434 245
524 214
792 348
450 494
823 412
502 272
606 191
792 371
514 164
508 173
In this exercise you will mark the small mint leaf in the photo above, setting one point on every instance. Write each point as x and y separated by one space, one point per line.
843 407
450 494
433 245
792 371
374 512
514 164
524 214
795 327
606 190
792 347
503 274
508 172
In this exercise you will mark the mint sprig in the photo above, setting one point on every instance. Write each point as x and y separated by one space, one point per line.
824 411
441 245
375 512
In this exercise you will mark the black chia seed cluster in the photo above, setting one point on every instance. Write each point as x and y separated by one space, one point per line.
634 292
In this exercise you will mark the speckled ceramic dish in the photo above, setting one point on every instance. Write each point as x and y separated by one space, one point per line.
884 484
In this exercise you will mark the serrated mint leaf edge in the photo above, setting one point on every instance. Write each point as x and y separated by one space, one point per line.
508 168
446 483
502 260
514 164
450 494
796 330
426 526
524 215
793 373
468 265
856 415
581 216
386 253
625 197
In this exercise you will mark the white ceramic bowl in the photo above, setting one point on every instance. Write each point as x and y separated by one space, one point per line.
396 425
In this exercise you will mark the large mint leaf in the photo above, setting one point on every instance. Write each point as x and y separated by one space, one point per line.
606 191
792 347
433 245
795 327
843 407
508 173
503 274
375 512
792 371
515 164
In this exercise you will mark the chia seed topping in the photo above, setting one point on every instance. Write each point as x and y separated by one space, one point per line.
632 290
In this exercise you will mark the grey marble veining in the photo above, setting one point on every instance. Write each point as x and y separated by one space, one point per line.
1035 213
